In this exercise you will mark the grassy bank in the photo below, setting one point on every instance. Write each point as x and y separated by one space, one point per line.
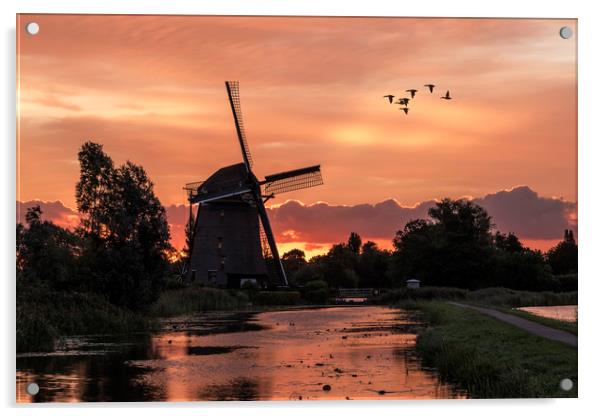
571 327
44 316
499 296
492 359
495 296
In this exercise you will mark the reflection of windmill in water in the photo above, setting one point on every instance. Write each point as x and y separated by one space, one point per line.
232 238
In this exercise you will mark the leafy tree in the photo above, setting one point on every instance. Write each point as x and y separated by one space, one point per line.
125 227
293 261
456 248
338 266
414 252
354 243
372 266
452 249
93 191
462 221
509 242
563 258
519 270
46 253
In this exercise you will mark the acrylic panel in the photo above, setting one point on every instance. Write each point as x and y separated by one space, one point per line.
295 208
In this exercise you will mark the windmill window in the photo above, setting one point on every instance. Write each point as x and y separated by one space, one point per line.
219 243
212 276
222 264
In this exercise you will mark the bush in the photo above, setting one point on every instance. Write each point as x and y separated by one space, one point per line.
316 292
424 293
268 298
195 299
563 283
34 332
495 296
499 296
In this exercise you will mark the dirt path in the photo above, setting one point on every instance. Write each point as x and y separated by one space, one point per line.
527 325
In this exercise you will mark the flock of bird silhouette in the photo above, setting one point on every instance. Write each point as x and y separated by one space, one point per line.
404 101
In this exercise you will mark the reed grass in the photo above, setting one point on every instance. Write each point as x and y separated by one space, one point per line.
44 316
197 299
495 296
491 359
499 296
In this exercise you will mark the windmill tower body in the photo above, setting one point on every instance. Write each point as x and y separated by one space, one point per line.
231 219
226 243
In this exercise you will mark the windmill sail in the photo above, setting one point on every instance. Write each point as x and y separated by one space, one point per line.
292 180
270 263
234 97
267 228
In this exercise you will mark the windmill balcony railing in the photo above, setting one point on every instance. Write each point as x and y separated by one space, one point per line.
192 188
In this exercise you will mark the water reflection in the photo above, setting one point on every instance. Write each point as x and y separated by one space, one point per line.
359 352
562 313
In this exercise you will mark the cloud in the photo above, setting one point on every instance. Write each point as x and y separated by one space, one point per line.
53 211
520 210
63 216
53 101
530 216
314 227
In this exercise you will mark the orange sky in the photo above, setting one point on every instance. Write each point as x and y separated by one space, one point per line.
151 89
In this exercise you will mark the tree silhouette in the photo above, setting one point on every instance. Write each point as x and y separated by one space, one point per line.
293 261
563 258
450 250
354 243
125 227
509 242
46 253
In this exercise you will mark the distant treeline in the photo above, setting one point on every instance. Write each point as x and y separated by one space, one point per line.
456 247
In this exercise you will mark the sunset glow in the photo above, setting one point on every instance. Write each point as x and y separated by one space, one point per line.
151 90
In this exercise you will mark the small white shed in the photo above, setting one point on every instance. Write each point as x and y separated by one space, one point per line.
413 284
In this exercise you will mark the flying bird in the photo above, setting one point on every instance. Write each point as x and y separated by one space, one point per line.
390 97
405 109
430 87
403 101
412 92
446 96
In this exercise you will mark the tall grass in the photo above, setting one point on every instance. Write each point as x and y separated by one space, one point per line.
491 359
499 296
494 296
43 316
195 299
397 296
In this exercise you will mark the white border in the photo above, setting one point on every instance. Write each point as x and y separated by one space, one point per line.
590 201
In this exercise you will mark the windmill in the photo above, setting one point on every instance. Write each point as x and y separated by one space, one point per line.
232 239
